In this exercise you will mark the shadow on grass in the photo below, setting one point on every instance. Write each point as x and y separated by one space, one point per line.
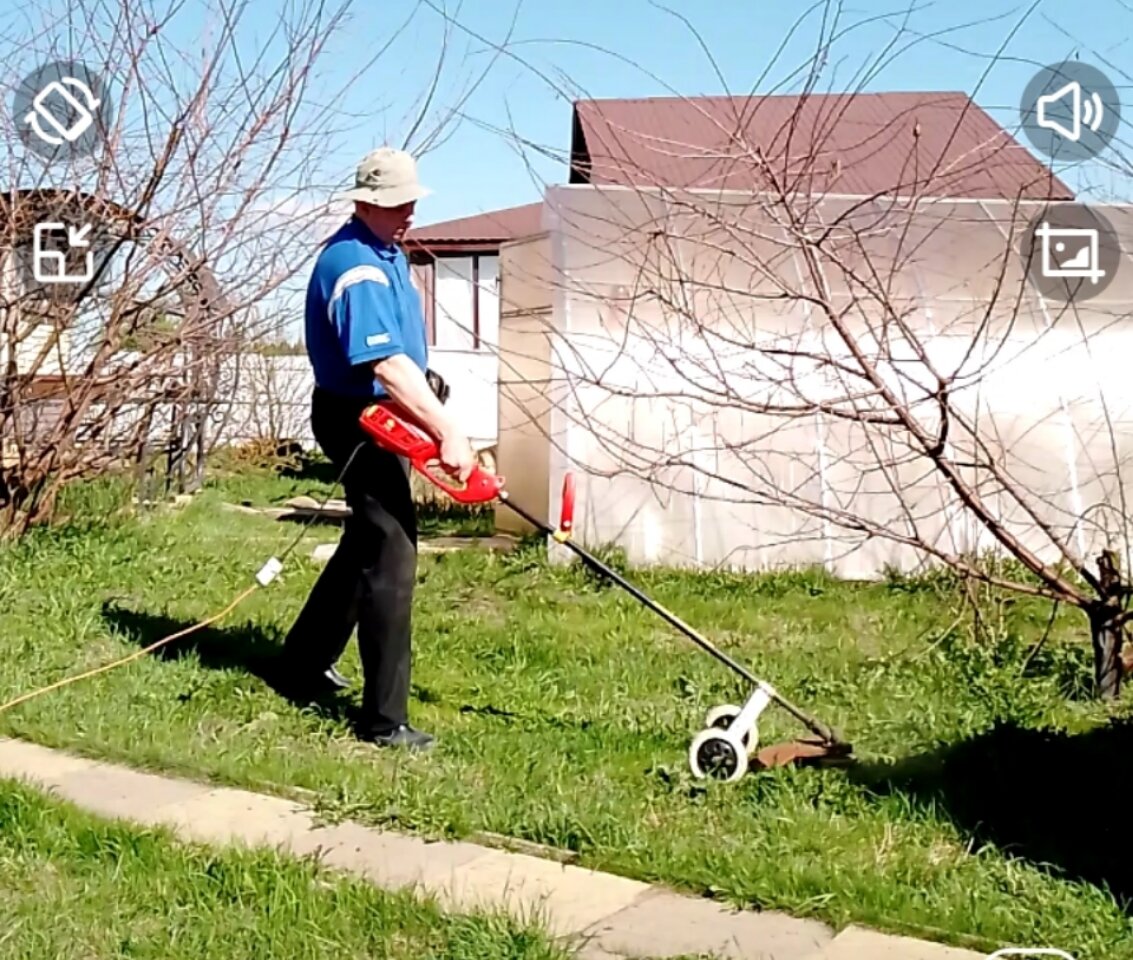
245 648
249 649
310 470
1046 796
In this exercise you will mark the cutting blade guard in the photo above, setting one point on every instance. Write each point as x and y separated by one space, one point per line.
390 432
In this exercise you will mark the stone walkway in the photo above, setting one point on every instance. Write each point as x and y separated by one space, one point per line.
603 917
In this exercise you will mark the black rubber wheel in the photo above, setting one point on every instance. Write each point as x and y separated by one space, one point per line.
718 758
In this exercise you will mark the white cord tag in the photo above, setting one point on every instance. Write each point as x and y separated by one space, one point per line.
268 572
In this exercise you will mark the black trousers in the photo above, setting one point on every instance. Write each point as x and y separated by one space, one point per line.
369 581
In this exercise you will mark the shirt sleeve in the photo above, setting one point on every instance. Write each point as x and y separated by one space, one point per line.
363 309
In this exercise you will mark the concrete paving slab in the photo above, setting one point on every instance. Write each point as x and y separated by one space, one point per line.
304 508
567 899
388 860
449 544
605 916
323 552
31 763
228 816
241 508
858 943
665 924
124 794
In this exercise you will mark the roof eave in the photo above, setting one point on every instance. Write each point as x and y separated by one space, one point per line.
434 248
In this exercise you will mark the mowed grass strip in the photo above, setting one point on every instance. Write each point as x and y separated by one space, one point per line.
73 887
564 712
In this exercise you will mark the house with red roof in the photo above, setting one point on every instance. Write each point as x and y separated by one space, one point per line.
924 144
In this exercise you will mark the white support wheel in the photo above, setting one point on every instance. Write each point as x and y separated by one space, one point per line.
722 717
717 754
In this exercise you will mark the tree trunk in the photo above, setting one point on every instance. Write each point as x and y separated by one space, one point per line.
27 504
1106 633
1107 636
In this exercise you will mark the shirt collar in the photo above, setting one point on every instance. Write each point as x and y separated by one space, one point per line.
387 250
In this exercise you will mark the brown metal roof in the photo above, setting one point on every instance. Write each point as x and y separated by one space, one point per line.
933 144
495 226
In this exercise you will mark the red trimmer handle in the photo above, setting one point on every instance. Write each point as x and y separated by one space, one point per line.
391 433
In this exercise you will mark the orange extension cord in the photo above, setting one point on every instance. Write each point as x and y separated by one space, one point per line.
133 656
278 563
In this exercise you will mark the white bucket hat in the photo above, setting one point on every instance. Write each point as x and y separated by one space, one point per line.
386 178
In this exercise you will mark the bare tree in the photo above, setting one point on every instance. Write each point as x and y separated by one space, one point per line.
854 377
200 208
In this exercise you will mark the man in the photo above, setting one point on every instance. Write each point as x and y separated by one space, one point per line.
365 335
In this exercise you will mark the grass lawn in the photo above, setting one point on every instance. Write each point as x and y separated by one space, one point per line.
984 805
76 888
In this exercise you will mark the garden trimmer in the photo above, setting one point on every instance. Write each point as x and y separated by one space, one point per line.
727 747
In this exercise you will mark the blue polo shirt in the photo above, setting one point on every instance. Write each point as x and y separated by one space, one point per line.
361 306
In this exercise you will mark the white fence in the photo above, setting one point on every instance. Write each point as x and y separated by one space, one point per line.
270 396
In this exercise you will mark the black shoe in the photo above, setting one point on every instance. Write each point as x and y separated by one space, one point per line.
336 679
305 684
402 735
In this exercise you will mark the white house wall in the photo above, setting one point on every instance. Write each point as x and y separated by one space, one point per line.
23 338
38 350
474 399
657 474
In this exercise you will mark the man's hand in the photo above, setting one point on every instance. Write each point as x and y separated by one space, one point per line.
457 456
409 388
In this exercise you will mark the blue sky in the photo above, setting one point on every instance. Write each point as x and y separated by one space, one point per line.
513 131
615 48
987 48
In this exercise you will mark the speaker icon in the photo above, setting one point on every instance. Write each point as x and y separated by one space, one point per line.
1084 111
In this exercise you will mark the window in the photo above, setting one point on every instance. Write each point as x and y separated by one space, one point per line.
460 295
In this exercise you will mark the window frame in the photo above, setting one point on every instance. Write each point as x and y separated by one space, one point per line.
424 264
